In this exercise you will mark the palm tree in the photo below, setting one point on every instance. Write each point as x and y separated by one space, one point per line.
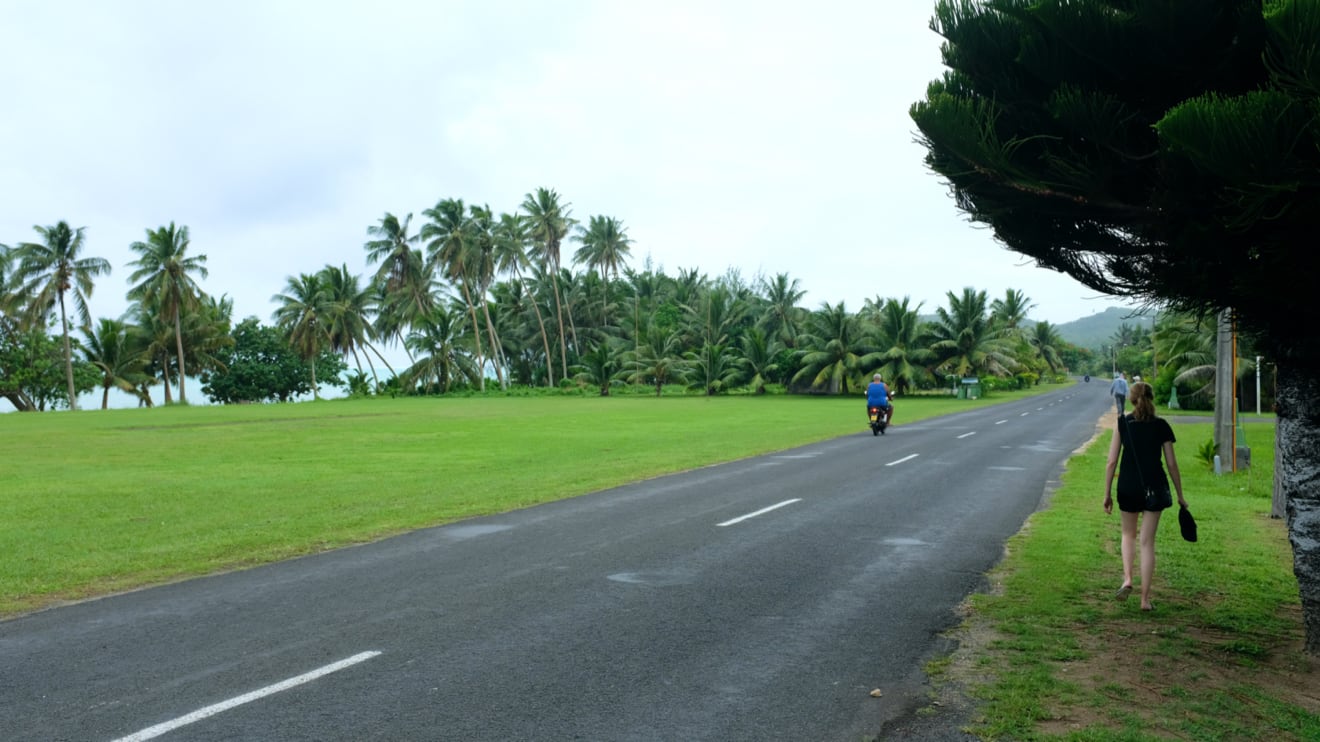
897 334
303 315
829 350
1010 312
481 227
602 366
1045 338
658 359
605 247
511 238
711 368
549 223
760 358
403 277
51 269
121 358
440 347
965 342
452 247
347 323
781 317
646 287
164 277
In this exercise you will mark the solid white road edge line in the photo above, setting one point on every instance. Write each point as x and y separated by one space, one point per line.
905 458
762 511
198 715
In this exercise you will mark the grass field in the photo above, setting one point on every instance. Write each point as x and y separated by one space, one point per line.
1050 654
100 501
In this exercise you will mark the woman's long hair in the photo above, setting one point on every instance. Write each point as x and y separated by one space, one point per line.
1142 397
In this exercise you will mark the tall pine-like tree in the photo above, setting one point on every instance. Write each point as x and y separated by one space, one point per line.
1168 152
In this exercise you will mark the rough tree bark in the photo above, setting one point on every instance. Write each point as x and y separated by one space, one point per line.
1298 443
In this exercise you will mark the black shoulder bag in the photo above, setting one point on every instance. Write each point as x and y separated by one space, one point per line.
1157 498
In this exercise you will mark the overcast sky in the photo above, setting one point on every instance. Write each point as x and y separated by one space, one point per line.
766 137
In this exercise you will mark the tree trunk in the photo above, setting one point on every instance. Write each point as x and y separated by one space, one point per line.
476 335
68 356
559 312
497 354
105 397
178 339
316 392
165 376
1298 443
18 400
545 340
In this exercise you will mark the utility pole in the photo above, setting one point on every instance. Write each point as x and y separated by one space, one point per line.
1225 404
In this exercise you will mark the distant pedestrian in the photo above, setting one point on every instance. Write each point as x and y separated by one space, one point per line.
1140 439
1119 388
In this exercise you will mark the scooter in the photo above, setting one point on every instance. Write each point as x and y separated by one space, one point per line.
879 417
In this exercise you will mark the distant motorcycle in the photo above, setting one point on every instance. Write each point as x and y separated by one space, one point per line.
1087 378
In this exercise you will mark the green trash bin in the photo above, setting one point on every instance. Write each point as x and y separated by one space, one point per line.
969 387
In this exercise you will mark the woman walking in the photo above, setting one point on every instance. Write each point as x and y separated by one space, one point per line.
1143 491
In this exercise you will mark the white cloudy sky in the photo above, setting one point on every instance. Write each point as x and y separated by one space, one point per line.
767 137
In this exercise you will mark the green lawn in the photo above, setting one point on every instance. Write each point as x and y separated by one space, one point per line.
1051 655
99 501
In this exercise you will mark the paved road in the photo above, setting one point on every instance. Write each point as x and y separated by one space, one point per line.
758 600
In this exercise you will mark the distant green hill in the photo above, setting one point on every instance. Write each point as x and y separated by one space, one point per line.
1099 328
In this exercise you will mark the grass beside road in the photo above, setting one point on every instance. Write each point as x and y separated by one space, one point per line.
100 501
1050 654
95 502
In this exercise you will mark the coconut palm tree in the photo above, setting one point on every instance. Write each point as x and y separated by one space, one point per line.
549 223
52 271
348 323
511 238
440 347
405 281
111 347
965 341
1045 338
602 365
452 247
481 228
760 357
164 277
1010 312
711 368
829 350
897 334
658 359
303 313
605 248
782 315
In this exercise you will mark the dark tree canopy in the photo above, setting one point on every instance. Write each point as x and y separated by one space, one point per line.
1166 151
261 366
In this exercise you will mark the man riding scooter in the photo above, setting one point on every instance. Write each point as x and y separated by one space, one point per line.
877 395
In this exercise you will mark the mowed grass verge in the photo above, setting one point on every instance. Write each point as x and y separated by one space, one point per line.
1051 655
96 502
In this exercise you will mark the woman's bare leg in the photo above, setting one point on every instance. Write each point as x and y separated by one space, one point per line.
1129 545
1150 524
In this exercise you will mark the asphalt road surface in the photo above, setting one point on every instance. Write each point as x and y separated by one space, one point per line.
762 599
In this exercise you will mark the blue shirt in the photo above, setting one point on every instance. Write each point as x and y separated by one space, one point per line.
877 394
